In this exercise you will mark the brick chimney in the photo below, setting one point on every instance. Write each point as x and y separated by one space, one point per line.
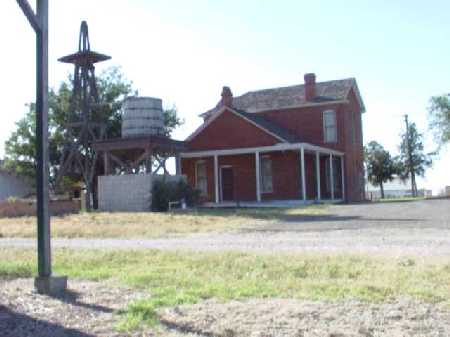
227 97
310 86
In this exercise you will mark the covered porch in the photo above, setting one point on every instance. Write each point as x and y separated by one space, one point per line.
281 175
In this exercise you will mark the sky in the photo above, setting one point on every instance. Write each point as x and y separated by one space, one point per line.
185 52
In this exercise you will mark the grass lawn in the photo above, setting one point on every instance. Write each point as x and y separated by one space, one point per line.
174 278
151 225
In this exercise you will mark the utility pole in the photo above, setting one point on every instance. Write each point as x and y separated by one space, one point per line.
45 283
410 161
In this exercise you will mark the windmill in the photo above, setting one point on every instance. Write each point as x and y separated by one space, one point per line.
83 126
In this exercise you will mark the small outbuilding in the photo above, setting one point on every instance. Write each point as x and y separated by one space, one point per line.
13 186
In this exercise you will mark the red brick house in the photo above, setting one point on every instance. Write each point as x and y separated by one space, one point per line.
302 142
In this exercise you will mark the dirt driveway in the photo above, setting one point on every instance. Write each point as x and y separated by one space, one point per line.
407 215
420 228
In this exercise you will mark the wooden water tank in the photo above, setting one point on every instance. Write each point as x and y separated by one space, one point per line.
143 116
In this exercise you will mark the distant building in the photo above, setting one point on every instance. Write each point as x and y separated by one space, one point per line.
394 189
12 186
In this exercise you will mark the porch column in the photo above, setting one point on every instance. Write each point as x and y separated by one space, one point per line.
216 177
177 164
302 166
149 163
258 177
343 177
318 174
106 163
331 176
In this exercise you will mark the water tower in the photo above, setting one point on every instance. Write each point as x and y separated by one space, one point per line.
132 161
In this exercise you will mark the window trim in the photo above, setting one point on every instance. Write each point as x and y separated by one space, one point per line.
197 163
266 157
325 128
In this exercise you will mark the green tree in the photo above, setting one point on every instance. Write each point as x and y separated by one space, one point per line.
20 150
381 167
439 118
171 119
20 153
413 160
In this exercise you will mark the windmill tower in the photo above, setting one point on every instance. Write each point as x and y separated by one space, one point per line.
84 126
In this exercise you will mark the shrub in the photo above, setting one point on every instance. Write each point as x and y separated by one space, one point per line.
165 191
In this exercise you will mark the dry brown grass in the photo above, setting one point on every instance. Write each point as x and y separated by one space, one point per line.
151 225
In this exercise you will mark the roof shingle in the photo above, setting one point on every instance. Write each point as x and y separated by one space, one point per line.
292 96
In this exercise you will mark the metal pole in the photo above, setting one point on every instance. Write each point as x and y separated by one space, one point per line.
43 216
45 283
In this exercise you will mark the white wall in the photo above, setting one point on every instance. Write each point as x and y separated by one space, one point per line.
128 192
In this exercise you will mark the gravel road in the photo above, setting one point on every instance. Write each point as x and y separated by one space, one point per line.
402 228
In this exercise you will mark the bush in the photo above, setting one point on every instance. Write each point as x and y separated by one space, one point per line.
165 191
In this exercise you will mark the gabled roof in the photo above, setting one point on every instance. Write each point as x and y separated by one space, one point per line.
278 132
293 97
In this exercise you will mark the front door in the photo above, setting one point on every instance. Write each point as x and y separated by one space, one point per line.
227 184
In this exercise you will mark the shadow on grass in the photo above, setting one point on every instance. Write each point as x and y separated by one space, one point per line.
14 324
290 216
266 213
71 297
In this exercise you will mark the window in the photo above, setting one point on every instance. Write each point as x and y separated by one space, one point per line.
201 179
329 126
266 175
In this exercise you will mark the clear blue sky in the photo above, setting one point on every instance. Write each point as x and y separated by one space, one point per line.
185 51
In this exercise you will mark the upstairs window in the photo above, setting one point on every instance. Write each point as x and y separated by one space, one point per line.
266 175
329 126
201 180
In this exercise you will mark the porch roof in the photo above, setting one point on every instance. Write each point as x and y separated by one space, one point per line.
159 143
272 148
